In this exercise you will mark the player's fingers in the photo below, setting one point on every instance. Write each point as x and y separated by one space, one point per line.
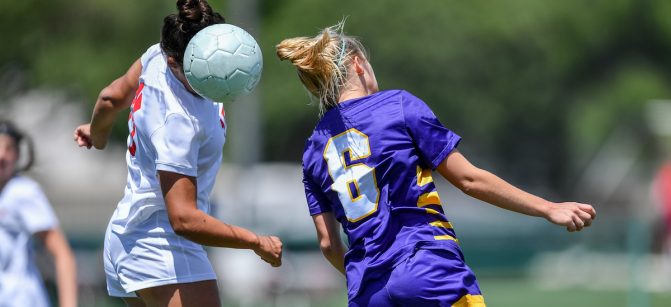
570 226
584 216
588 209
579 224
274 262
83 143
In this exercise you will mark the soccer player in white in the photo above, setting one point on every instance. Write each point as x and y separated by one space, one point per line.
153 254
25 214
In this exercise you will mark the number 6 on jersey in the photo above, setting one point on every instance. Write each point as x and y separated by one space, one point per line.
355 183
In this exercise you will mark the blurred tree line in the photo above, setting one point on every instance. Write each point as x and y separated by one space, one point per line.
534 87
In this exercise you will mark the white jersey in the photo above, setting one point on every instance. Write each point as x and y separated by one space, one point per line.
24 211
171 130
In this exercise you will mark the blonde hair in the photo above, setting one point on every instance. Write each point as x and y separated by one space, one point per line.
322 61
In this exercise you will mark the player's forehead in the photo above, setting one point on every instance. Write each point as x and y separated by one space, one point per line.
6 141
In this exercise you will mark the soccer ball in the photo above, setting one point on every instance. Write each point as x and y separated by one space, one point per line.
222 62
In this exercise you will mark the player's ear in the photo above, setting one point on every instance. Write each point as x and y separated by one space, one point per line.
173 63
358 65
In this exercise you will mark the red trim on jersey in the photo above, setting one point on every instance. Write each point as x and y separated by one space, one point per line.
222 116
135 105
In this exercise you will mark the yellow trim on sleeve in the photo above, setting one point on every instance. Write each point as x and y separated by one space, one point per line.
430 198
470 300
442 224
431 211
446 237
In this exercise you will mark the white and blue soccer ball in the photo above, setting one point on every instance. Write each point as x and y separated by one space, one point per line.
222 62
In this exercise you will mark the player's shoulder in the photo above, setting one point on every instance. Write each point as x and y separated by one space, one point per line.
412 105
21 186
408 98
151 53
387 102
386 98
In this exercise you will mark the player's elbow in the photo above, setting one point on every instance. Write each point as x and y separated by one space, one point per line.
113 97
326 247
183 224
331 250
99 143
472 184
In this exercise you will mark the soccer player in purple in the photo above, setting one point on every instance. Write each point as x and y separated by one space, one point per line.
368 166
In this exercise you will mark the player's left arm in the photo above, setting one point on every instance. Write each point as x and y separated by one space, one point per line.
330 244
485 186
65 265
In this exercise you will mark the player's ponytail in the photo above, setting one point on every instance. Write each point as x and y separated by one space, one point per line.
321 62
20 140
178 29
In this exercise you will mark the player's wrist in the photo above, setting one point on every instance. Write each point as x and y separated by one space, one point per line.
256 243
546 208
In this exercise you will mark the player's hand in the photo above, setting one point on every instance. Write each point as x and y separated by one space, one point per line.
270 250
575 216
82 136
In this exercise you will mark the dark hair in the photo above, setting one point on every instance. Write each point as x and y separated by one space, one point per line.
178 29
8 128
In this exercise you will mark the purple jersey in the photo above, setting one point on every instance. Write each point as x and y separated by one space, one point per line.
369 161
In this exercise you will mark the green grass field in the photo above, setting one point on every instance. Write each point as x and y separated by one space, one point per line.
522 293
518 292
499 292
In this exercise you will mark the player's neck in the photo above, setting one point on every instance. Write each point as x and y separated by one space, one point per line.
354 93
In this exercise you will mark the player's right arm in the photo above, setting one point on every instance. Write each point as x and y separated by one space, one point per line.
485 186
115 97
329 240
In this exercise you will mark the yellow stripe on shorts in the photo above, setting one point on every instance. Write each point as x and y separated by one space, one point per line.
469 300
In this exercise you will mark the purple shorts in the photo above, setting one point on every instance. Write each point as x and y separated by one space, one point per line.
432 276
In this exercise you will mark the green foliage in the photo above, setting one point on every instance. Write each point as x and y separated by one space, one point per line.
531 85
77 45
511 76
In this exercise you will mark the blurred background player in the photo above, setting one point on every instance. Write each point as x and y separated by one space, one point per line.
25 213
153 244
662 195
368 166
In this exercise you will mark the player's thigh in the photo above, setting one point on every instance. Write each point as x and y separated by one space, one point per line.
194 294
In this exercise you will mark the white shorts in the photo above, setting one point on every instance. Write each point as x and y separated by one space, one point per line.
149 257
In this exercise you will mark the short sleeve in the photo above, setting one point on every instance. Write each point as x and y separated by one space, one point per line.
35 210
317 201
151 52
176 146
433 141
